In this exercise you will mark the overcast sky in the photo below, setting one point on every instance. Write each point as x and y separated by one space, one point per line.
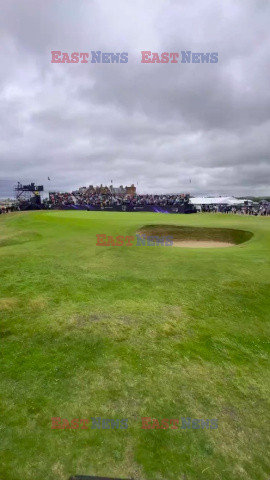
161 125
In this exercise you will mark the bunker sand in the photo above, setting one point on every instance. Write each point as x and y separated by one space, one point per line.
201 244
197 237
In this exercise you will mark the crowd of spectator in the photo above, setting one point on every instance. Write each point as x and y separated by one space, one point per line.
8 208
110 199
104 197
258 209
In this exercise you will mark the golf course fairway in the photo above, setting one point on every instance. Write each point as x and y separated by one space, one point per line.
128 332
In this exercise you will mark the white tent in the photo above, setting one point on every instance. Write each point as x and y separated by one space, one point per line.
217 201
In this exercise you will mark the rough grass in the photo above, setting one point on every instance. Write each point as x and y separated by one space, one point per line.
126 332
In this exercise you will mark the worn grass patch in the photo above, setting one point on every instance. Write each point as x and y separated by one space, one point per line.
8 303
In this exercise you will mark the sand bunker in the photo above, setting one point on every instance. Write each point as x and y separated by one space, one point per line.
197 237
201 244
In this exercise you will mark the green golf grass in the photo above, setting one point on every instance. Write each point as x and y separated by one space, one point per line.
132 332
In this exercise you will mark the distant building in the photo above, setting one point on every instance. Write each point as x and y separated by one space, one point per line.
118 190
131 190
90 189
103 190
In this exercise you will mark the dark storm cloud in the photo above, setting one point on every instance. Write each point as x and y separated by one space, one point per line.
160 125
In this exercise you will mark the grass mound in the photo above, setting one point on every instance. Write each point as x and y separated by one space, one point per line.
17 239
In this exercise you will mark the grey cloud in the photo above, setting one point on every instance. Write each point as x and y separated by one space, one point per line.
160 125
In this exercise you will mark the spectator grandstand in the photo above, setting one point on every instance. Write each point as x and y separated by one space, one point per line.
114 197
